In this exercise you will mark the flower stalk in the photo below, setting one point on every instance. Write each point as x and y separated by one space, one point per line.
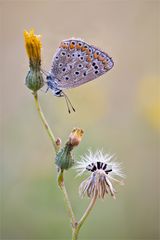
66 198
75 232
56 148
76 226
45 123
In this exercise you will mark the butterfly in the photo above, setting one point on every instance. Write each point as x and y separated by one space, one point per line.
75 63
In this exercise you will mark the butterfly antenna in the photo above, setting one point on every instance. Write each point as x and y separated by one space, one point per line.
69 111
68 102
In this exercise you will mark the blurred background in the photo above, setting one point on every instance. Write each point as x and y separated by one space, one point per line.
119 112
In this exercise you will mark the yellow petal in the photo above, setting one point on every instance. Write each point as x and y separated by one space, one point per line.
33 46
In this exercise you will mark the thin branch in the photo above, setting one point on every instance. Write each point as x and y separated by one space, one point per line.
45 123
67 201
83 218
56 148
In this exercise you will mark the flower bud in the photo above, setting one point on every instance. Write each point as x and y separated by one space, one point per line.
75 136
34 80
58 142
64 158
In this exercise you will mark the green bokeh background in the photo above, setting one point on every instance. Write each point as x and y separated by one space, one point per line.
119 112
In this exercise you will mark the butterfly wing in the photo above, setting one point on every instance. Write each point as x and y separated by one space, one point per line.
77 62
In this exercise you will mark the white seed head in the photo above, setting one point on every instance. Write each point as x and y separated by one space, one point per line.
103 170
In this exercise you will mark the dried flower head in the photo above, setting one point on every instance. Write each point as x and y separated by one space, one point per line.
103 171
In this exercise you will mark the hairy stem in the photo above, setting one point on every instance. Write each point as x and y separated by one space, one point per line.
83 218
45 123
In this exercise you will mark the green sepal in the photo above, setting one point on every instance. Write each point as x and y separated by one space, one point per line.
34 80
64 158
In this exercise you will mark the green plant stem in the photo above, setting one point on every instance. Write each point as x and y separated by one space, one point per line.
83 218
44 121
56 148
67 201
75 226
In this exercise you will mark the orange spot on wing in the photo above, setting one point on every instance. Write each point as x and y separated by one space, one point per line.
78 46
83 49
72 45
87 51
63 45
95 55
100 58
89 59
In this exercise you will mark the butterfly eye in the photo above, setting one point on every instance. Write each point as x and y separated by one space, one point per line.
73 55
57 57
97 52
82 58
73 43
93 64
68 55
80 44
66 78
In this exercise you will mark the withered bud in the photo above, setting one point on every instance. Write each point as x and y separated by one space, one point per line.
58 141
75 137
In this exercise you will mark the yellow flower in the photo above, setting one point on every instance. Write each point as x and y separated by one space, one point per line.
34 79
75 136
33 47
